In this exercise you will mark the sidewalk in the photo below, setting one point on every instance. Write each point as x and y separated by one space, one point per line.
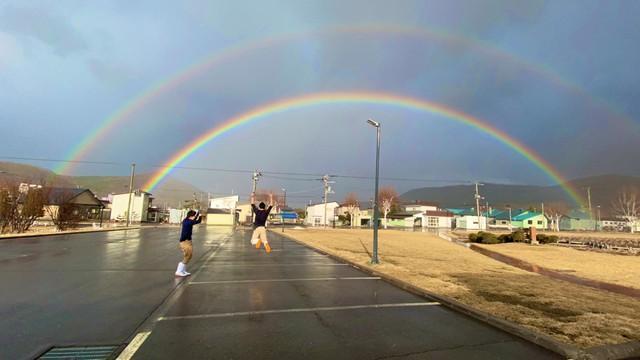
67 232
246 304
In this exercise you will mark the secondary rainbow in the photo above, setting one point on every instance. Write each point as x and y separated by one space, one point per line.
332 98
90 141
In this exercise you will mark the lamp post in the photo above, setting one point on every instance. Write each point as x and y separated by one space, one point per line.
510 226
376 211
598 222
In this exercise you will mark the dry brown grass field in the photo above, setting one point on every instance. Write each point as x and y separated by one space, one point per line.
571 313
616 269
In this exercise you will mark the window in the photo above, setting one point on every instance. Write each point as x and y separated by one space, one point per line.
539 222
432 221
530 222
316 222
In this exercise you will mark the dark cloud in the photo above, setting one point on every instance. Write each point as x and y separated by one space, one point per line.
44 26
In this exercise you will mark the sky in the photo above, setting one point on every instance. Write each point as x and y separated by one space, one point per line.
559 76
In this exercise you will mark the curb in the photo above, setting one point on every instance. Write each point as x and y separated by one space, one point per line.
19 236
609 352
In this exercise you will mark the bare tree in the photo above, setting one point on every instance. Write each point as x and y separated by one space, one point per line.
269 196
627 206
351 202
387 197
8 206
31 207
63 212
555 211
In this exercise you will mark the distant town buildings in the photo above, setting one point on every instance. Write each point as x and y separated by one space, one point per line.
317 216
139 207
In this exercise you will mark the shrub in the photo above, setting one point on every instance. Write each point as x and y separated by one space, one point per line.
518 236
489 238
484 238
547 239
505 238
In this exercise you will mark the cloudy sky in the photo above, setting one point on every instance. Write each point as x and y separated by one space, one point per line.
560 76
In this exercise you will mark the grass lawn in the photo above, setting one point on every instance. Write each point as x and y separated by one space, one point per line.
616 269
571 313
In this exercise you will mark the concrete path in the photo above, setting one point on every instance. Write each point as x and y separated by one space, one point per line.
86 289
295 303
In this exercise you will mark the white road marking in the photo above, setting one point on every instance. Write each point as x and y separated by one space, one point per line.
283 280
330 308
133 346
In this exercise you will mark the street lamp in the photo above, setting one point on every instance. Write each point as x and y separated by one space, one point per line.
376 212
598 223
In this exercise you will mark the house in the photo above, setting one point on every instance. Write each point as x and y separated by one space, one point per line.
436 219
500 219
343 210
139 208
316 215
470 222
403 220
84 202
419 206
227 202
528 219
612 224
577 220
217 217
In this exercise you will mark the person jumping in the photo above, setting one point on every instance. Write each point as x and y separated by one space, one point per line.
259 235
186 245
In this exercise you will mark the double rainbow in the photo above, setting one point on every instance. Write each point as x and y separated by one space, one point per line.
330 98
90 142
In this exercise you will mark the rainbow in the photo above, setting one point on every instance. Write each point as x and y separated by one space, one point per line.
90 142
360 97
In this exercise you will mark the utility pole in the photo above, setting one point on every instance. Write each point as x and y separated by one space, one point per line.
510 224
133 173
589 201
478 197
254 186
284 205
327 191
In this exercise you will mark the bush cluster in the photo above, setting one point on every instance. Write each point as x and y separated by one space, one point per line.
547 239
519 235
483 237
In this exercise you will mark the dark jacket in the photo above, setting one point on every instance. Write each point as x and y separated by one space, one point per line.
187 228
261 215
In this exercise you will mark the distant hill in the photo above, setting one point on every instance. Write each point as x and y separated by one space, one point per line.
604 190
170 191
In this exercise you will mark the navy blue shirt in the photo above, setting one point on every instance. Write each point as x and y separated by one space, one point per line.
261 215
187 228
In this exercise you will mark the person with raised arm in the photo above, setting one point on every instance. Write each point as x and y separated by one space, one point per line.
261 213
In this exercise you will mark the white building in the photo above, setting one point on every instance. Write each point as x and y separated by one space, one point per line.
436 219
177 215
315 214
227 202
140 202
419 206
471 222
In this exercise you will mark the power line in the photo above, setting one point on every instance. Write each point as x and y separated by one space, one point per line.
272 174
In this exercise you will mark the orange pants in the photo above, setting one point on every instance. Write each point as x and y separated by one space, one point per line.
187 251
259 233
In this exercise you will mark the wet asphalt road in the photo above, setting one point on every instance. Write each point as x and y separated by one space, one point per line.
94 288
296 303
